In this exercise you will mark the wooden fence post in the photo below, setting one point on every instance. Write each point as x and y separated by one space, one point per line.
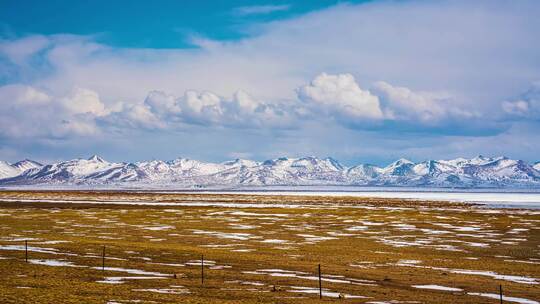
26 251
103 259
320 283
500 293
202 269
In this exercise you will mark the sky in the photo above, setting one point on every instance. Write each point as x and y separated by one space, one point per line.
359 81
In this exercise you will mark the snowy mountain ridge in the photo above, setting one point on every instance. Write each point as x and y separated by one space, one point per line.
498 172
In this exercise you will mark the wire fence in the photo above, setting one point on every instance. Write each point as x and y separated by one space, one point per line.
202 273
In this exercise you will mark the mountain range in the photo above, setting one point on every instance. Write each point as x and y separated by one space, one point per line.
478 172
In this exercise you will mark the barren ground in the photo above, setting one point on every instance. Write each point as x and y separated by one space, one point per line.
261 249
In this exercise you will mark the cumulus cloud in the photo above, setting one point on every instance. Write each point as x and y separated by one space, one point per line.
340 96
84 101
207 108
29 112
135 116
162 104
402 103
335 96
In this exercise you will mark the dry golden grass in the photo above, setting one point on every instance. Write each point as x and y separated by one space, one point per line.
371 244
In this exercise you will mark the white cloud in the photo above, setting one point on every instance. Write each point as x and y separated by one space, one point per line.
20 50
404 104
336 96
340 95
23 95
207 108
29 112
136 116
162 103
260 9
84 101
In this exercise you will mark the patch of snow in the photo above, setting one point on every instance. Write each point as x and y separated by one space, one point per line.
54 263
437 287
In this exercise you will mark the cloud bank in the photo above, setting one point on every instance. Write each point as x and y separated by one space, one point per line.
336 98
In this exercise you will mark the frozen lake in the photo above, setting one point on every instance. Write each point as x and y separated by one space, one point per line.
530 200
495 198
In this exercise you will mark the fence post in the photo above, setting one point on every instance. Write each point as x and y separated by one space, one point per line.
26 250
320 284
202 269
103 259
500 293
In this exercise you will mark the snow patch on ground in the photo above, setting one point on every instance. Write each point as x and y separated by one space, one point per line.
437 287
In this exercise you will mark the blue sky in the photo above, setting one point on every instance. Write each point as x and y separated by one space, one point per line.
141 24
361 81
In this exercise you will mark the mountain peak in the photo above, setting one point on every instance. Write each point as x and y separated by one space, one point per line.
334 163
401 161
481 158
240 162
26 164
96 158
28 161
400 167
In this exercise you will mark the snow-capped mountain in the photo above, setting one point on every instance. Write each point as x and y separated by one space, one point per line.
26 164
8 170
284 171
476 172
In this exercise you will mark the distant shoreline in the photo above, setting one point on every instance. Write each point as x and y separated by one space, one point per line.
497 198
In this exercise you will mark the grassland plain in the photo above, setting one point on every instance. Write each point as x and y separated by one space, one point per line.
261 249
